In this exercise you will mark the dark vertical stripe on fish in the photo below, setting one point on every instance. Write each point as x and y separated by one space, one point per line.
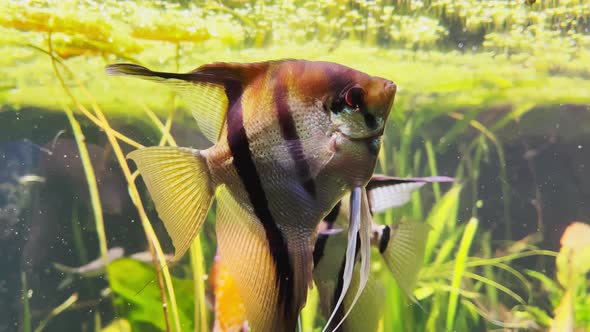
340 313
290 135
246 169
384 241
318 249
320 242
331 217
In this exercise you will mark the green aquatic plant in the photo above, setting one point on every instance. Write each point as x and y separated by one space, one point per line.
138 297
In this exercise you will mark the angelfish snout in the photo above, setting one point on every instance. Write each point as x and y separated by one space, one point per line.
389 87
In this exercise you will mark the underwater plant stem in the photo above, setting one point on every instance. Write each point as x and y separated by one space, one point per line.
77 235
88 170
92 185
26 322
168 123
58 310
158 257
198 269
165 133
459 271
502 162
432 166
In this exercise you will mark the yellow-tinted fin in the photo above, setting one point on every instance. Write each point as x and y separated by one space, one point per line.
366 313
208 90
179 182
246 254
207 100
403 252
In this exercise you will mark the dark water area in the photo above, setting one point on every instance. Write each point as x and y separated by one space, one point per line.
46 216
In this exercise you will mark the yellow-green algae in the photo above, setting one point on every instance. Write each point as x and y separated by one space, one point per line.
525 54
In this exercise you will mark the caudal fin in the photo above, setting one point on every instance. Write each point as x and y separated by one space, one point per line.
179 182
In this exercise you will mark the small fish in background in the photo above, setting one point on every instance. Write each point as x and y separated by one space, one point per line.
230 315
290 137
97 267
401 246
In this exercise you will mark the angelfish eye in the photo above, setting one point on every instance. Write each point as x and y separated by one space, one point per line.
355 97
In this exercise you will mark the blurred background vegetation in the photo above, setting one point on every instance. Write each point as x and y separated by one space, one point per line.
494 93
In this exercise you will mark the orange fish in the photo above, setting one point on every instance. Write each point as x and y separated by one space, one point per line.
230 315
290 137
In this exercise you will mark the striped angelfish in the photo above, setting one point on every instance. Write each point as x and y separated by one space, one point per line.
401 246
290 138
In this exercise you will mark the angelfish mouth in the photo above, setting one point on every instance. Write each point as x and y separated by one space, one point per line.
367 138
372 142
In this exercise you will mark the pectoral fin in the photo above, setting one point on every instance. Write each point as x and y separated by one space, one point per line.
179 182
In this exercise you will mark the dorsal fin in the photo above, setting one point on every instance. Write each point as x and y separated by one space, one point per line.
208 91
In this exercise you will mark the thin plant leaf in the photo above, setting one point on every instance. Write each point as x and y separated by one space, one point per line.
430 156
459 271
198 269
494 284
442 216
27 317
92 184
58 310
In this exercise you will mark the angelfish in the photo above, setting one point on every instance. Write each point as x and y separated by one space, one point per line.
401 247
291 137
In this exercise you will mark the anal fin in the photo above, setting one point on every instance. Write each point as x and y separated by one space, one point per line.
246 254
